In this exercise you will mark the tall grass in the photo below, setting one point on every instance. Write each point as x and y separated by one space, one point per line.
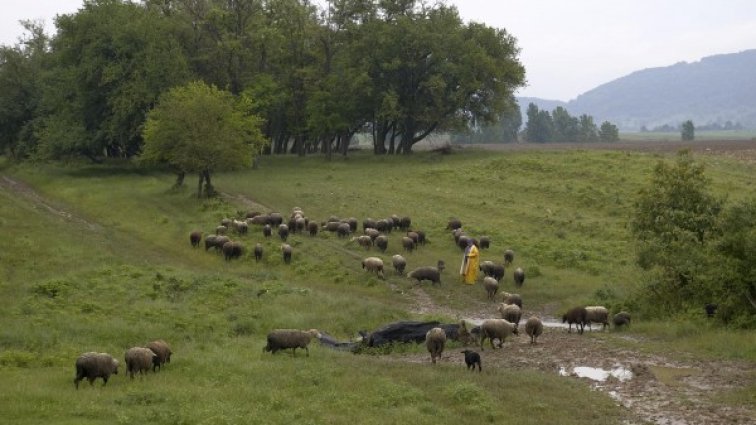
125 274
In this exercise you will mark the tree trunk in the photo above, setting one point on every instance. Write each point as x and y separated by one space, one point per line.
179 179
199 185
209 189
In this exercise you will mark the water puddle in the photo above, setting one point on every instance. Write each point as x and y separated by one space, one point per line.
597 374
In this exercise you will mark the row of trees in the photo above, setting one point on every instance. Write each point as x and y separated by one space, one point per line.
560 127
398 69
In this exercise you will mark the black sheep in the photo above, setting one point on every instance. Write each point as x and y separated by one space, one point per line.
577 315
472 358
195 238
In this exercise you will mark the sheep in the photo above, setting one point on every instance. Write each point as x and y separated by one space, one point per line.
286 250
399 263
383 225
454 224
226 222
140 359
457 233
485 242
252 214
464 332
405 223
312 227
462 242
221 230
621 319
408 244
428 273
239 227
486 267
93 365
597 314
373 233
331 226
281 339
300 224
489 268
511 313
343 230
373 264
368 223
163 352
275 219
496 329
711 309
258 219
364 241
210 241
381 242
519 277
435 339
534 328
420 237
491 286
508 257
395 220
352 222
472 358
267 230
576 315
195 238
258 251
414 236
508 298
283 231
232 250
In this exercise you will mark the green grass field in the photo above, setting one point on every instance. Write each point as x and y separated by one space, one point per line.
121 272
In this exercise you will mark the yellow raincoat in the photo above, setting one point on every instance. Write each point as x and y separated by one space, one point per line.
470 264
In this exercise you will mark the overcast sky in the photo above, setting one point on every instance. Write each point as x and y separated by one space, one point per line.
568 46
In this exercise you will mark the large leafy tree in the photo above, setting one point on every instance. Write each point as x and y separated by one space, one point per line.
540 127
688 131
200 129
608 133
110 61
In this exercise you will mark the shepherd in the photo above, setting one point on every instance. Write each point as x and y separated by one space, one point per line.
470 263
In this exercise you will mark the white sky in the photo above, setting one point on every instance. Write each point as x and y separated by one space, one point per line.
568 46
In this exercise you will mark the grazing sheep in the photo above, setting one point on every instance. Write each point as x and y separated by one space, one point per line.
258 219
232 250
486 267
275 219
383 225
226 222
496 329
267 230
140 359
221 230
491 286
414 236
95 365
364 241
352 222
405 223
711 309
283 231
312 227
576 315
457 233
239 227
331 226
485 242
251 214
216 242
381 242
597 314
427 273
373 233
519 277
299 224
195 238
454 224
163 351
508 257
408 244
534 328
508 298
420 237
368 223
621 319
286 251
343 230
462 242
373 264
511 313
281 339
210 241
472 358
435 339
399 263
464 331
489 268
258 251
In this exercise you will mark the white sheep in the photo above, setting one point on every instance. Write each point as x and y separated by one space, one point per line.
281 339
373 264
93 365
141 360
511 313
491 286
597 314
496 329
534 328
435 339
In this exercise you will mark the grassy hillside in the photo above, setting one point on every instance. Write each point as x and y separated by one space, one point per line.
97 258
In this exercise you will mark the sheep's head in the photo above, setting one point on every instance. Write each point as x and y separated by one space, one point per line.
314 333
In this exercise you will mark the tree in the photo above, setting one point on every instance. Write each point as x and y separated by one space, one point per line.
674 219
608 133
566 127
540 128
588 131
200 129
688 130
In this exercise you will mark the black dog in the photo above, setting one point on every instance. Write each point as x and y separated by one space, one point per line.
471 359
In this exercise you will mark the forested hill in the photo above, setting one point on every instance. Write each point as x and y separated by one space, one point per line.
715 89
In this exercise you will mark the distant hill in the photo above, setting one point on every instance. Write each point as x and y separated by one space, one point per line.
715 89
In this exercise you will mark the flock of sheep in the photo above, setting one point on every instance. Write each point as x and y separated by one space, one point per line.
140 360
375 235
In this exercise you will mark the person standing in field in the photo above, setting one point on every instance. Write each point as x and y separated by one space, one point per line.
470 264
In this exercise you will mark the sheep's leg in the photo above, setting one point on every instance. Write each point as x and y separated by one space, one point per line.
307 352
